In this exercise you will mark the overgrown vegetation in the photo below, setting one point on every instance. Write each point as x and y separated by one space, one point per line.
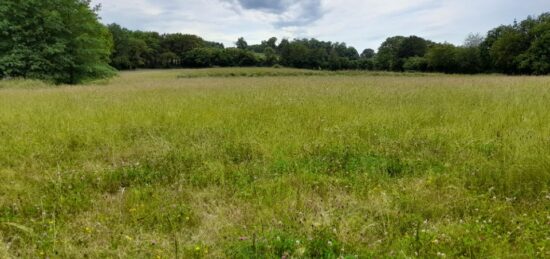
369 165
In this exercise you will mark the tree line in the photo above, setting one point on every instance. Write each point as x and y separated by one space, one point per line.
63 41
520 48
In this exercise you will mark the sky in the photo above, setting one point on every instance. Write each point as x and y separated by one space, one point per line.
359 23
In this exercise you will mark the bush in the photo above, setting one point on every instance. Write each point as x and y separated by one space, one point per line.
416 64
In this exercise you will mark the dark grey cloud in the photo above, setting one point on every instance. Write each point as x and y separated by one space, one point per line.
291 13
275 6
311 11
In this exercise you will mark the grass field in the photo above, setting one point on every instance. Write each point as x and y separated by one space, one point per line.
272 163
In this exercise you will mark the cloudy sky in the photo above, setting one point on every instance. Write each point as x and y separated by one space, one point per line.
360 23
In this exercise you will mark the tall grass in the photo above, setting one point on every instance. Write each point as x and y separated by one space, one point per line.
370 165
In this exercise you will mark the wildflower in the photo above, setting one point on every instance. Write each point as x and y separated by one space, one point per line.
128 238
439 254
197 248
329 243
88 230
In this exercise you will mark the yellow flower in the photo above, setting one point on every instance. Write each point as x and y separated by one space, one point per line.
128 237
197 248
88 230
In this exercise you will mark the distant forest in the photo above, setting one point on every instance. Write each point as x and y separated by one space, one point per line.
63 41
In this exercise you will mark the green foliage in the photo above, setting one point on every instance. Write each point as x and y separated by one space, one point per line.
241 44
59 41
468 60
516 49
271 57
395 51
201 57
368 53
315 54
506 50
416 64
442 57
387 57
412 46
130 51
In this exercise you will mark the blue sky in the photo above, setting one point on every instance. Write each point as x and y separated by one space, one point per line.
360 23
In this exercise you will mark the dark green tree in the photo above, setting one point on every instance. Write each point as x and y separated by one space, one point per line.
412 46
180 44
388 54
241 43
442 58
506 50
536 59
55 40
130 51
416 64
270 56
368 53
468 60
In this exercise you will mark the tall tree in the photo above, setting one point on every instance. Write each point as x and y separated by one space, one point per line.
179 44
388 54
368 53
241 43
56 40
412 46
442 58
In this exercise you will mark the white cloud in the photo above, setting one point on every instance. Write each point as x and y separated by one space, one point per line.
360 23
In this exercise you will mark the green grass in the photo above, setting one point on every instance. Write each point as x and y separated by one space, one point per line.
285 72
153 165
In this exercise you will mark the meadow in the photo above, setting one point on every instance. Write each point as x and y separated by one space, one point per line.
276 163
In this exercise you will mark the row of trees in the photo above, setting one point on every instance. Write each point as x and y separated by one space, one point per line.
137 49
520 48
63 41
